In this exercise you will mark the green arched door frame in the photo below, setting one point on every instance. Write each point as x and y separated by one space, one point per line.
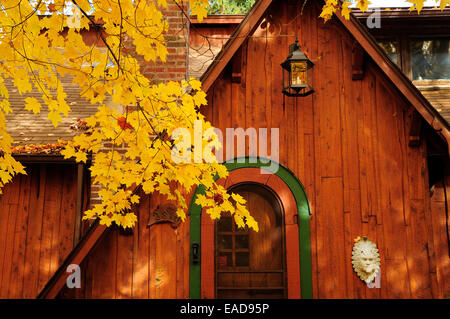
304 212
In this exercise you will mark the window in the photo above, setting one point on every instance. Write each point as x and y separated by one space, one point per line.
391 48
232 242
430 59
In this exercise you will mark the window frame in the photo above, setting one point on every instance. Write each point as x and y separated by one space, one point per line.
427 82
405 40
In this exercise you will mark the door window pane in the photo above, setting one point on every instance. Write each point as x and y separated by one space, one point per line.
225 224
225 260
430 59
225 242
242 229
242 242
242 259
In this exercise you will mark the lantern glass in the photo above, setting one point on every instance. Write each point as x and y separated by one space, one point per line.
299 75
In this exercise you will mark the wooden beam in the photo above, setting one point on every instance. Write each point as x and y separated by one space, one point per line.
45 158
404 54
76 256
415 130
219 19
236 67
79 205
357 62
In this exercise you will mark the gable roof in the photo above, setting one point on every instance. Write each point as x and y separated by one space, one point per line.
361 35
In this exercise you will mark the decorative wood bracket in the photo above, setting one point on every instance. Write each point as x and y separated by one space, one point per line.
165 213
415 130
357 62
236 66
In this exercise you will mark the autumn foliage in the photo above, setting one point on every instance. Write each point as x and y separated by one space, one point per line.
37 50
344 6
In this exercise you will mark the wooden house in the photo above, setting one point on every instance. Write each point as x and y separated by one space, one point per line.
365 154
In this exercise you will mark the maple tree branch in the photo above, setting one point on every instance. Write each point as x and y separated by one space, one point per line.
100 34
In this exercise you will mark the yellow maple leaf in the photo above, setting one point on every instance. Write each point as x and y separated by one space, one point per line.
55 117
238 198
5 176
345 11
416 4
32 104
444 3
80 157
327 12
363 5
5 106
198 8
134 199
251 223
201 200
68 152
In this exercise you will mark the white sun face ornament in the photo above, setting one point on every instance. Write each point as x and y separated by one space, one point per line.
365 259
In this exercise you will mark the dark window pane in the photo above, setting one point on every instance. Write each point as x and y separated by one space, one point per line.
224 224
242 259
241 229
224 260
241 242
391 49
430 59
225 242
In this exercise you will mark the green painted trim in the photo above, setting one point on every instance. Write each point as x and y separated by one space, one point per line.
304 212
195 214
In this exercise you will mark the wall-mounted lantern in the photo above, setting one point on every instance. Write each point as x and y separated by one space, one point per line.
297 77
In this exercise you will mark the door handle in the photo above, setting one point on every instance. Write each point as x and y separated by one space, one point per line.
195 253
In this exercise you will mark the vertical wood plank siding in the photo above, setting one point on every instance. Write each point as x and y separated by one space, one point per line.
348 145
143 263
37 218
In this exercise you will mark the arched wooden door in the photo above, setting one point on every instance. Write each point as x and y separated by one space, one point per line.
287 200
251 264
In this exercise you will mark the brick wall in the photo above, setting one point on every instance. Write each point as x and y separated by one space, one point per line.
94 198
174 69
175 66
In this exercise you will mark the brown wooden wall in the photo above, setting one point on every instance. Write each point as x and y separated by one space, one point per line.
37 222
142 263
348 145
440 233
